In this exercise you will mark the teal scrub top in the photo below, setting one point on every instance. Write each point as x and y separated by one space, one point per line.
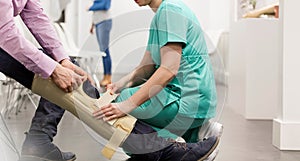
194 84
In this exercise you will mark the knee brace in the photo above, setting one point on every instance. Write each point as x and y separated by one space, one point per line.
82 106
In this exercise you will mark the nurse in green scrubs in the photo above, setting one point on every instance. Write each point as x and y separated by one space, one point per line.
173 88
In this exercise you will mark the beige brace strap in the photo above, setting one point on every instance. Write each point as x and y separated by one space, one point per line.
114 142
82 106
124 127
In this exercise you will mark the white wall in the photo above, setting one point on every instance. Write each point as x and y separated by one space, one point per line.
212 14
128 49
286 126
253 52
253 85
128 16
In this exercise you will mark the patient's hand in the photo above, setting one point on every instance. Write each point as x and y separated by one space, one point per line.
65 78
68 64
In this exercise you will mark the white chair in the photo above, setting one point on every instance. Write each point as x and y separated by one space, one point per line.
7 143
69 38
16 98
25 32
2 80
210 128
9 150
82 56
72 52
72 45
217 50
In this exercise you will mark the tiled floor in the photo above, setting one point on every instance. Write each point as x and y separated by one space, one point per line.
242 140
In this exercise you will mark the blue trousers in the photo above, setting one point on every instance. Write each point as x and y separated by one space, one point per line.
103 33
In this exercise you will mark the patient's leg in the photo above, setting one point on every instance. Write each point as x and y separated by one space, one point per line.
82 106
134 136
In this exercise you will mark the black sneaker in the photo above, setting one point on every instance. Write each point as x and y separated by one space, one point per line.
202 150
38 147
199 151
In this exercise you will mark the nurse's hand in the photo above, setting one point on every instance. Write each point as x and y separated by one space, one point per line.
112 88
113 111
109 112
115 88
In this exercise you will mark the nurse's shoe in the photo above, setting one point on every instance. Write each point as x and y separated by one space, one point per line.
210 128
200 151
38 147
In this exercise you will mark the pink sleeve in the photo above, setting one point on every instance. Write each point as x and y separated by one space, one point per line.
21 49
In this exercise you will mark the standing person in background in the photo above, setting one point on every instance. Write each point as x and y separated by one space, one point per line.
103 23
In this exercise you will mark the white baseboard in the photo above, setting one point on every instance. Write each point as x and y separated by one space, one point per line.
286 135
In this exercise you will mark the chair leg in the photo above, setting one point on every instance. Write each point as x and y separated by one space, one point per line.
8 138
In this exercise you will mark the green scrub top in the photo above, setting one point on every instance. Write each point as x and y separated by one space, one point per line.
190 98
194 84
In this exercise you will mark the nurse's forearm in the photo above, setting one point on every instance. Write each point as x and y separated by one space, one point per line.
139 76
170 62
142 74
153 86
